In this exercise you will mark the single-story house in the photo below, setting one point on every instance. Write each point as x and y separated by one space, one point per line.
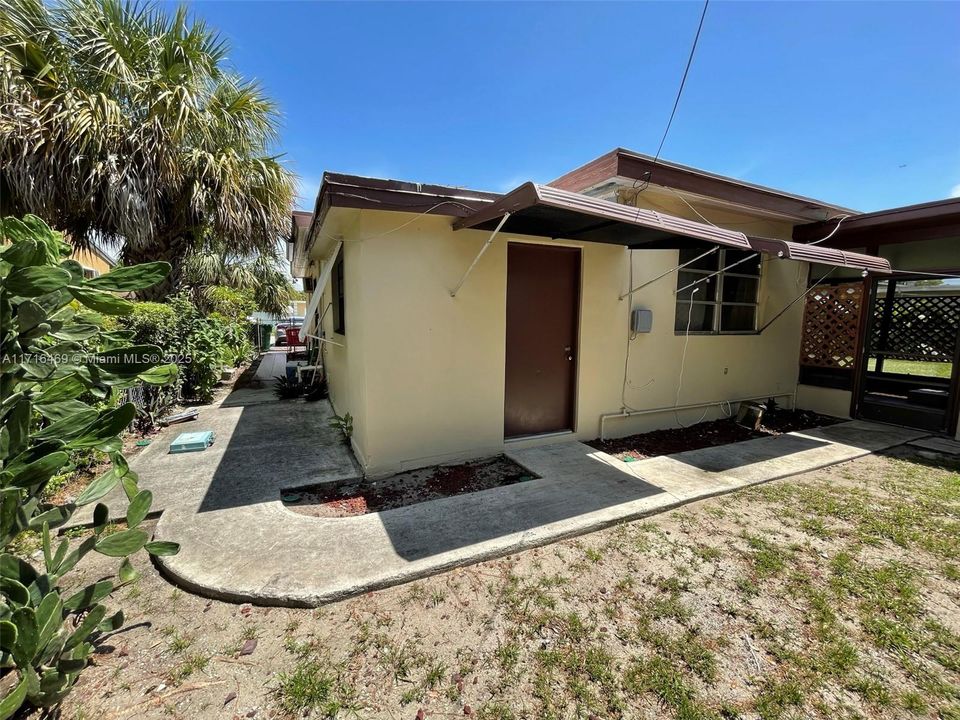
94 260
627 295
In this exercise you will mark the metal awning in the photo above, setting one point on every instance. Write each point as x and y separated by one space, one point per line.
548 212
819 254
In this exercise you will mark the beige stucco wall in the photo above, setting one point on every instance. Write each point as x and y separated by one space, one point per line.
827 401
90 259
423 373
344 358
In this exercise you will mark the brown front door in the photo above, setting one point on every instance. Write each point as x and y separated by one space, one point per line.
543 302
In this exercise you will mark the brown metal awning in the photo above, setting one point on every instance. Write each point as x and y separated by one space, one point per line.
819 254
549 212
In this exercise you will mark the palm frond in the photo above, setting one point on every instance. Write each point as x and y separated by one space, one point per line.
121 120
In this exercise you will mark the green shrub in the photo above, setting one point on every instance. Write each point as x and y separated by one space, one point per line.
200 345
153 322
286 388
156 324
236 340
235 305
53 356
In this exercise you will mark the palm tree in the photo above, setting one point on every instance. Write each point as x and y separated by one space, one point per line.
123 122
213 265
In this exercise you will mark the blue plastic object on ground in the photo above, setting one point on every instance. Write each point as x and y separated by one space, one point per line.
192 441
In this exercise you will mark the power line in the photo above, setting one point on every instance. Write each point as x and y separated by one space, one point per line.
676 102
683 80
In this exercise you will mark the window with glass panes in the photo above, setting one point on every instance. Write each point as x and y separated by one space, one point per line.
725 302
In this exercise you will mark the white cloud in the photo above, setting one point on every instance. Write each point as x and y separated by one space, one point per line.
955 191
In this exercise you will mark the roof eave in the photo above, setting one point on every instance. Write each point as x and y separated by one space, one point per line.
360 192
637 166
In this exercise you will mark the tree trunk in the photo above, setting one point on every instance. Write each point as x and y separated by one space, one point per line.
174 252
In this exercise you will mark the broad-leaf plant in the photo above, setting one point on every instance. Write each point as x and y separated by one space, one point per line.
62 373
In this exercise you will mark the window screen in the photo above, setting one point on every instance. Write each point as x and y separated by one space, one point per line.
712 301
336 287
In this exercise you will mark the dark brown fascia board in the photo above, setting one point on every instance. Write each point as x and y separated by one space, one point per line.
626 163
598 170
362 183
357 191
923 221
299 219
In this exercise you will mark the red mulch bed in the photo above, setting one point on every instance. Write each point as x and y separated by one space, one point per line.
414 486
708 434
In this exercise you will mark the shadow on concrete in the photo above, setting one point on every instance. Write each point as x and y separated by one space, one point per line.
274 444
723 458
524 510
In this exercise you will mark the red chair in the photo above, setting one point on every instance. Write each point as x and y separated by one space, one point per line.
293 337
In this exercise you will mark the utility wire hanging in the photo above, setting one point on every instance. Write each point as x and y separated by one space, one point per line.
714 274
676 102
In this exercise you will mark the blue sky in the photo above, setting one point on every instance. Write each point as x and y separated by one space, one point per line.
851 103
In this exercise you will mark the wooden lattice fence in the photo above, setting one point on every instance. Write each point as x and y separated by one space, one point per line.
831 322
921 327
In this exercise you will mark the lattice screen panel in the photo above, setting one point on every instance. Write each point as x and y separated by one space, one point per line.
920 327
830 323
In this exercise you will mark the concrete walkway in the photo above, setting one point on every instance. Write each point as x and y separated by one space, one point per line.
240 543
255 436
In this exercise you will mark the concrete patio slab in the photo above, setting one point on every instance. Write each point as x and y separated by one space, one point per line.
240 543
938 444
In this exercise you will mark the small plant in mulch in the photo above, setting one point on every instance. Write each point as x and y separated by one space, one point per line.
291 388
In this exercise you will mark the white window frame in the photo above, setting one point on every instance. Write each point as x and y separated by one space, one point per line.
718 303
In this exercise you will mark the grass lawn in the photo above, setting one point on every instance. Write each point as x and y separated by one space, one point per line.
914 367
834 594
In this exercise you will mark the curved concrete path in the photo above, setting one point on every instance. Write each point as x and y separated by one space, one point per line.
240 543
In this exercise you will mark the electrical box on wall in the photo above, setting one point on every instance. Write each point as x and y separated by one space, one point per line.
641 320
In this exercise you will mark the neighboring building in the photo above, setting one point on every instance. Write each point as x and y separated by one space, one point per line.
94 259
461 321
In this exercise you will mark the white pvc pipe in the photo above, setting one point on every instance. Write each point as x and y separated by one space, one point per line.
323 340
691 406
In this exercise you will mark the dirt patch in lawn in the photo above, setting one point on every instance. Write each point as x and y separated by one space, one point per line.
358 497
709 434
831 595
